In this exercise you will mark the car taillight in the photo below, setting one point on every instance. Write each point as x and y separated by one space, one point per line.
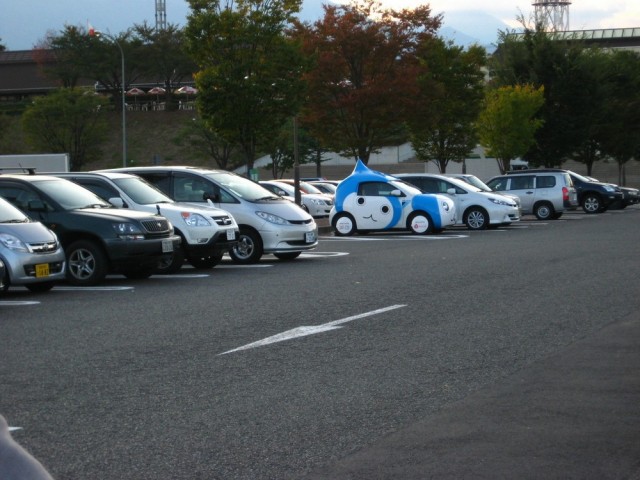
565 193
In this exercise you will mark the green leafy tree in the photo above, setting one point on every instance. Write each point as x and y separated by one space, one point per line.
364 78
282 150
202 139
508 123
67 121
620 136
249 72
2 46
448 103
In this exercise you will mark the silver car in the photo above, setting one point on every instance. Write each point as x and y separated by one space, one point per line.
31 253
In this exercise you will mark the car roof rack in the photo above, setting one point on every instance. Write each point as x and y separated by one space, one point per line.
531 171
29 170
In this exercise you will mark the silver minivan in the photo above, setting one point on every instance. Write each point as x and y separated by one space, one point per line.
31 253
268 224
544 194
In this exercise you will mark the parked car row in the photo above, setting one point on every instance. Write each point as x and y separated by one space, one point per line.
369 200
83 226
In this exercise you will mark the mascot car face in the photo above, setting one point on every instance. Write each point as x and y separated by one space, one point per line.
370 200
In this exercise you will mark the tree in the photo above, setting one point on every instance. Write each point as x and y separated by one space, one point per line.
507 125
620 137
282 152
2 46
249 73
67 121
364 78
448 103
202 139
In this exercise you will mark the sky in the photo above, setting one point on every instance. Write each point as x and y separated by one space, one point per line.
23 23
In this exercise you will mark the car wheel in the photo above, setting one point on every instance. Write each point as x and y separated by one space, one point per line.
420 223
86 263
171 264
204 263
591 203
40 287
544 211
343 225
287 255
248 249
476 218
4 282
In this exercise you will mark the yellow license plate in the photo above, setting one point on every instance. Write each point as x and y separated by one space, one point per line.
42 270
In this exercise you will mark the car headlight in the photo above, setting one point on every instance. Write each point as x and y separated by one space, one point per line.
317 201
506 203
128 231
13 243
195 219
271 218
609 188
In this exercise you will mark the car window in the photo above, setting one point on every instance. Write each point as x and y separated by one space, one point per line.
522 182
498 184
140 191
20 196
375 189
99 188
158 180
9 213
545 181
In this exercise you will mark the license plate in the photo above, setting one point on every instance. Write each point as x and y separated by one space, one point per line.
167 246
231 234
310 237
42 270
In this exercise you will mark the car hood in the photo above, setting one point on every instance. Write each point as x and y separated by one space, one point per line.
287 210
116 214
32 232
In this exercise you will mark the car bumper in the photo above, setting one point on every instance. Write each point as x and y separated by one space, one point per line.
503 216
125 255
294 238
221 242
27 268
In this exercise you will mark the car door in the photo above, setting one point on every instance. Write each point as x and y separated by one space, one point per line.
374 207
523 187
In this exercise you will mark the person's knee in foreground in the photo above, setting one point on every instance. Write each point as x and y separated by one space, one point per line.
15 462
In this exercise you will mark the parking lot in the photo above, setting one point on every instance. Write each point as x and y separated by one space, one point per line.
505 353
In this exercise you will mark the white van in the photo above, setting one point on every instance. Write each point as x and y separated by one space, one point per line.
206 233
269 224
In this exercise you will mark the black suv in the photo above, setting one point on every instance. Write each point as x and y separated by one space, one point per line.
97 238
594 197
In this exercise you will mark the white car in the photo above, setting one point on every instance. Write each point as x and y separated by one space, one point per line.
373 201
476 182
206 233
268 223
475 208
318 205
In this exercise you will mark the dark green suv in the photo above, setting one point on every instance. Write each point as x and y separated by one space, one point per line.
97 238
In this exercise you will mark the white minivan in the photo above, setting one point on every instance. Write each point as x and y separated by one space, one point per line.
206 233
269 224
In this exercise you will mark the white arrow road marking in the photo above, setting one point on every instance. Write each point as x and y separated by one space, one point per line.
323 254
15 303
182 275
304 331
13 429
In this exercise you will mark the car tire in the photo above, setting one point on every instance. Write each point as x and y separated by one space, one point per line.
287 255
171 264
476 218
420 223
343 225
4 282
248 249
40 287
205 263
544 211
87 263
592 203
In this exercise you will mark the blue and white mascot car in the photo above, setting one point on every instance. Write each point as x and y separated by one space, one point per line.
368 200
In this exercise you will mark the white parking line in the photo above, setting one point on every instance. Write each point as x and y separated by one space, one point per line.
386 238
91 289
13 429
310 330
17 303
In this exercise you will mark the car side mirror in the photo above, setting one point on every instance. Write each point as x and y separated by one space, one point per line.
36 206
451 191
211 196
396 193
118 202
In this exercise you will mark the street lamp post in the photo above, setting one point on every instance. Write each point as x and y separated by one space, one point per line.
124 105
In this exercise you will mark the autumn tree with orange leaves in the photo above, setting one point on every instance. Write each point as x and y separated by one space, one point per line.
365 74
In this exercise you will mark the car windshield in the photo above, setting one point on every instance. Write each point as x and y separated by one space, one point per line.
140 191
580 177
310 188
10 214
70 195
464 185
406 187
476 182
242 187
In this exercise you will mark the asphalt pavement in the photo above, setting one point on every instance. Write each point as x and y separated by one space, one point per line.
575 415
